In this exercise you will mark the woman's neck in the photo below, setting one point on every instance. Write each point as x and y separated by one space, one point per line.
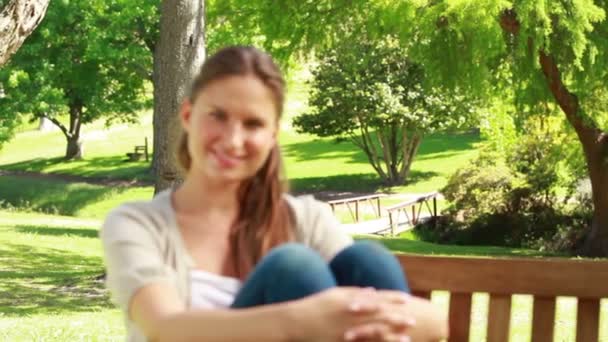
198 195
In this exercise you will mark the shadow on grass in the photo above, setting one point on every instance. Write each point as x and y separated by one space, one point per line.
433 146
36 280
56 231
55 197
113 167
361 183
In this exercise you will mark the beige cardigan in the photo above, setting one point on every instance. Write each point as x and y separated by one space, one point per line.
142 245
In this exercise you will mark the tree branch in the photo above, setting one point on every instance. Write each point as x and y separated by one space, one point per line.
58 124
588 133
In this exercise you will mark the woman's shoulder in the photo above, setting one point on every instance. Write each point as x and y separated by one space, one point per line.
134 216
307 207
317 227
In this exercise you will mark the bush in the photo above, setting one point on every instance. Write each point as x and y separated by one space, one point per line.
510 199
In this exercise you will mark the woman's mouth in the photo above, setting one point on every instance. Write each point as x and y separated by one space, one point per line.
226 161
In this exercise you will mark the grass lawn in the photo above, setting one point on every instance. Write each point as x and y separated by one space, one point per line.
312 164
48 270
63 198
49 264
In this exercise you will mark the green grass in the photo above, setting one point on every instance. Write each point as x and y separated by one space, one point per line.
48 270
63 198
408 242
312 164
316 164
104 148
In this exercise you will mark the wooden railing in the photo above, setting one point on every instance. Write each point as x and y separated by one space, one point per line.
403 207
355 202
545 279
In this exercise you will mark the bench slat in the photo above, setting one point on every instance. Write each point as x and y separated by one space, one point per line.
587 320
545 277
460 316
543 319
499 317
423 294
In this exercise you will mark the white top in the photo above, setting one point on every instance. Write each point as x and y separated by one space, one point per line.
212 291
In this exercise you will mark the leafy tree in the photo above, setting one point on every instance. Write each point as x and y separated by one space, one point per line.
549 50
285 28
370 92
79 63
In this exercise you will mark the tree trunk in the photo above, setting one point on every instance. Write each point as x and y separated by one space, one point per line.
409 150
596 243
18 19
74 145
74 149
595 147
178 56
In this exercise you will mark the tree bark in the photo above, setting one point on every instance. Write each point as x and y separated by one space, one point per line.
74 148
409 150
18 19
74 145
177 58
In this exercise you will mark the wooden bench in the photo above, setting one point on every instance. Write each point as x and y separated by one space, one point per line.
420 201
139 151
544 279
355 201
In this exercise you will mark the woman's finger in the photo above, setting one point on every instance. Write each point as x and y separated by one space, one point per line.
373 332
396 297
400 323
364 301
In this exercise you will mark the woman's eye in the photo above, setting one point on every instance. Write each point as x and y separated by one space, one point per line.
218 115
253 124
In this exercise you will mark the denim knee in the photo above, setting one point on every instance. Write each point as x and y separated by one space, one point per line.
293 260
368 263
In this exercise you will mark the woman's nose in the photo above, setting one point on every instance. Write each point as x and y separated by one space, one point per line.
234 136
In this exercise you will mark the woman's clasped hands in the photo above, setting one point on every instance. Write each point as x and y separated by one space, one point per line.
355 314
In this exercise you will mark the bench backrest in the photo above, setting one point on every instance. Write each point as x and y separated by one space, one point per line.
545 279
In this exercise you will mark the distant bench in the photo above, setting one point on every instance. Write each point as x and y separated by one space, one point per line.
139 151
381 223
422 200
355 202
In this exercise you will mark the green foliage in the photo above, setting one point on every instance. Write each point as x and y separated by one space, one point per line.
285 29
87 59
370 92
480 188
516 197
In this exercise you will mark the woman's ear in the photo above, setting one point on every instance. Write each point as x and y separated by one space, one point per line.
185 114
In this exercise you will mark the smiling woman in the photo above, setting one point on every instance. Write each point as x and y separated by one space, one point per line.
230 256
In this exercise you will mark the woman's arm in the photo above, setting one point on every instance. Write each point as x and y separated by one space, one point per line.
157 311
327 316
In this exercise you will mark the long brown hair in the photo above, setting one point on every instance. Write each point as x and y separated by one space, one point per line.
264 219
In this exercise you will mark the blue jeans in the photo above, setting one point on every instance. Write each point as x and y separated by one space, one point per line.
292 271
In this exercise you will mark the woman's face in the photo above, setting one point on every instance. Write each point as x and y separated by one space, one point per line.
232 127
